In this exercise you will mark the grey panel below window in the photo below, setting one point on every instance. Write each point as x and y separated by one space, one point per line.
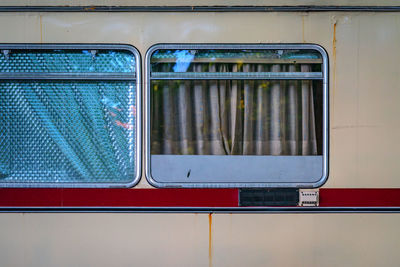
191 169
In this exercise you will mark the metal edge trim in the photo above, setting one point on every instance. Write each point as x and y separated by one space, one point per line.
237 8
221 210
325 154
325 133
103 76
138 167
146 116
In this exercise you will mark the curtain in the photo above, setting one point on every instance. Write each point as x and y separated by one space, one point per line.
233 117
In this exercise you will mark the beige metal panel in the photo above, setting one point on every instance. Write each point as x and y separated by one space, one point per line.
103 239
364 67
146 29
379 97
306 240
25 29
186 240
197 3
364 101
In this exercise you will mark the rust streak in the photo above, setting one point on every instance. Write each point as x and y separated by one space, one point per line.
91 8
210 240
334 48
334 65
302 29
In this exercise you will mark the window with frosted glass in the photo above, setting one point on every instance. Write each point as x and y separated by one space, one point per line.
68 115
237 115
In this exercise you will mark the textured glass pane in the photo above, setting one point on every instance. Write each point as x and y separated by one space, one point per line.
67 61
67 131
190 60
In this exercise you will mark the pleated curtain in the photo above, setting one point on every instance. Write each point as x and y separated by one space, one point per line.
234 117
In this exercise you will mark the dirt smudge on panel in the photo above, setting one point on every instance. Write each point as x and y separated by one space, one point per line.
210 240
41 28
354 126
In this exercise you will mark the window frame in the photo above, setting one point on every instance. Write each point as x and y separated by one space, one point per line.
325 116
76 76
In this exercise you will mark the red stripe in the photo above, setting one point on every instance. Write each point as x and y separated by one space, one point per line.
44 197
359 197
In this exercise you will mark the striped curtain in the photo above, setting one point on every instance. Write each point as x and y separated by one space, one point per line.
234 117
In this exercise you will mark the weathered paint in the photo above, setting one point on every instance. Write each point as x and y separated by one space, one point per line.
197 3
182 239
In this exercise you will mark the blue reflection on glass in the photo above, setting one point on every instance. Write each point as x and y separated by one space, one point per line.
183 60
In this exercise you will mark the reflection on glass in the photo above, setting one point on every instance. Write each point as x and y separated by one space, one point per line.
183 60
190 60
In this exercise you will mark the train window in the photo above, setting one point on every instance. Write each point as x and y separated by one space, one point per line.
69 115
237 115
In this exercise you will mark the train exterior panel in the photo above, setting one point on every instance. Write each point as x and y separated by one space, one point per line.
364 67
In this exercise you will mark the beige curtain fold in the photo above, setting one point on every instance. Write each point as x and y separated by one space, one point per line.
234 117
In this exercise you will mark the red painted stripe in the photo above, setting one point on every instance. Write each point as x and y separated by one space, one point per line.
45 197
359 197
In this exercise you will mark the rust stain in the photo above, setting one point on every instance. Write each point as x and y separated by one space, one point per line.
302 29
91 8
334 64
210 240
334 48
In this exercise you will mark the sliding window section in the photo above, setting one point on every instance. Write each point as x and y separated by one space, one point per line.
237 115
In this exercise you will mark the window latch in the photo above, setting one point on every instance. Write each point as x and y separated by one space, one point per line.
6 53
93 52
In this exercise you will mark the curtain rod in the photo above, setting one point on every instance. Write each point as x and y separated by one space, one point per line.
236 75
199 8
245 61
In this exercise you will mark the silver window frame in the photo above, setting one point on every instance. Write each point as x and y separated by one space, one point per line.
325 126
90 76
